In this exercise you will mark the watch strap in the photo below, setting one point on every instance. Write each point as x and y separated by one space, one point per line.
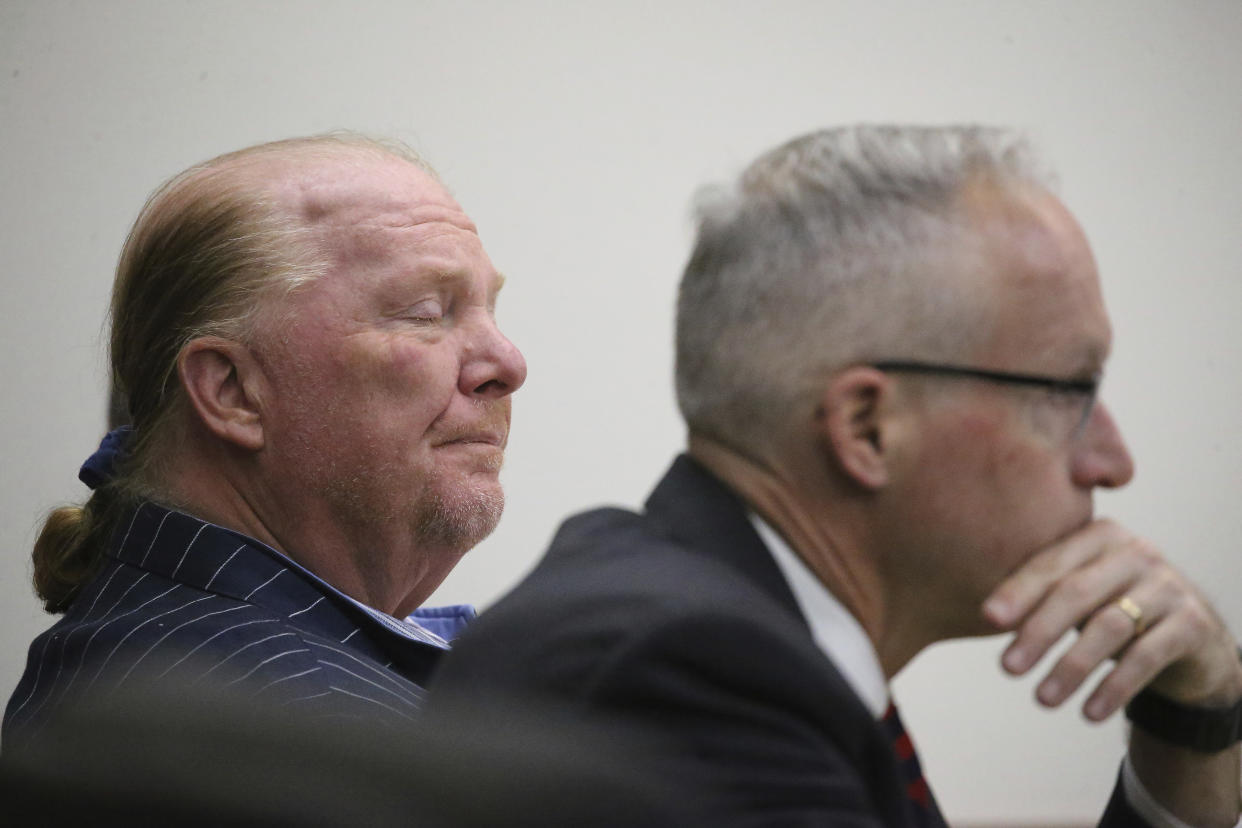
1205 729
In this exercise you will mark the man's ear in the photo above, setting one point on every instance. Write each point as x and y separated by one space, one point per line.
222 380
852 423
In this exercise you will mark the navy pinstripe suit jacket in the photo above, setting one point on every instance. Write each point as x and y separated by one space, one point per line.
182 603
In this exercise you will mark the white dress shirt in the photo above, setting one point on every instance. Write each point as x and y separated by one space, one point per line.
847 646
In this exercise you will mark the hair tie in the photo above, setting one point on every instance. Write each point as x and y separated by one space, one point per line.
100 467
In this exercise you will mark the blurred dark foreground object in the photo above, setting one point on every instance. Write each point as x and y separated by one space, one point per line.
199 762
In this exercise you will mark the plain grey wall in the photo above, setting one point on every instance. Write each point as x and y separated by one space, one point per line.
575 134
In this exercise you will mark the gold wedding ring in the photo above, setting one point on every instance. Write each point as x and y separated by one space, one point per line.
1131 609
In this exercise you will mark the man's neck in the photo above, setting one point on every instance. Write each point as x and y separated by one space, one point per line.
827 533
385 573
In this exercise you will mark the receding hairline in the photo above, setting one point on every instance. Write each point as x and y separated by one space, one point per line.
1023 217
249 182
325 145
278 174
1043 243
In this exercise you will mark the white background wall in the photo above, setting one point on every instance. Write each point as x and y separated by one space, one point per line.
575 134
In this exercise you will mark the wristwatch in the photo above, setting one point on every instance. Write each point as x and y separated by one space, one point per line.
1206 729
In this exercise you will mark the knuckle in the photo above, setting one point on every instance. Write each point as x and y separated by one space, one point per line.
1147 553
1046 565
1169 582
1147 662
1112 531
1114 623
1190 616
1118 686
1113 626
1077 588
1034 635
1142 555
1198 623
1107 525
1075 664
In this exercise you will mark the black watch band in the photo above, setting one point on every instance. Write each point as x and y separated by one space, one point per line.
1206 729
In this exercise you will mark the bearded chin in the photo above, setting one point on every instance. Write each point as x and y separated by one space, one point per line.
462 519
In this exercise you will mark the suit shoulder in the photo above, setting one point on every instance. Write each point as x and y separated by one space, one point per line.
611 584
611 557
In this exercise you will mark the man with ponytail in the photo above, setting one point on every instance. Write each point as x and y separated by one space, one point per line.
318 404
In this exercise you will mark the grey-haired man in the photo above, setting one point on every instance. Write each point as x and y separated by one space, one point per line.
889 341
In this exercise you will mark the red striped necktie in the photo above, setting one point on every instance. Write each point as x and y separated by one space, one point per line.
908 763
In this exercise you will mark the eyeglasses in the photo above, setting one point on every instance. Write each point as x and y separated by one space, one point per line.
1082 391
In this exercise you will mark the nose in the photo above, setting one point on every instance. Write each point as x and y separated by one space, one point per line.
493 367
1101 457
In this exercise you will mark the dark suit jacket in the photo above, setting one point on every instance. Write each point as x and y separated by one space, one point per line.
676 622
184 604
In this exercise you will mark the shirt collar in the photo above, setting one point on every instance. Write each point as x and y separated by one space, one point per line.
178 531
447 621
838 634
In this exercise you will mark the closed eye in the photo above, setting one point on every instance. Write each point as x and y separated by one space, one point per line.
428 310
